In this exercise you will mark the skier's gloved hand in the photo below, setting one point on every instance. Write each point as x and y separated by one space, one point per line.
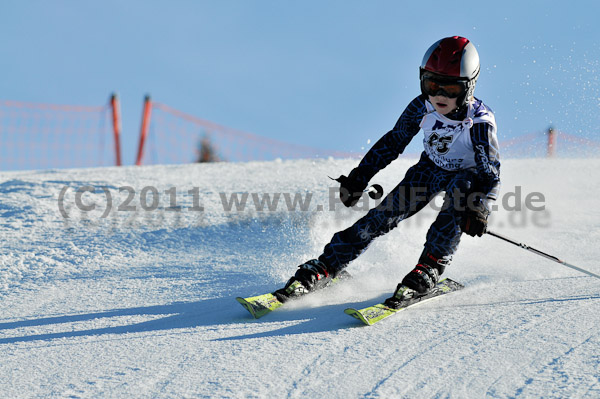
351 188
474 220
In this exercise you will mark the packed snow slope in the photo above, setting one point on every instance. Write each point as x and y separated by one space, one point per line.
121 282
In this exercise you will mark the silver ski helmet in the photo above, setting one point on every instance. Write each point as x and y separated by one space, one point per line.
450 67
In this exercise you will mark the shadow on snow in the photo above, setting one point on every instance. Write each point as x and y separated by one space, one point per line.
184 315
218 311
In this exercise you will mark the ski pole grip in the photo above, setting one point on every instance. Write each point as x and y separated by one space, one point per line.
375 191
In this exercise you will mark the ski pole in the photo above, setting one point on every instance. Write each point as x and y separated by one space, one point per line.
545 255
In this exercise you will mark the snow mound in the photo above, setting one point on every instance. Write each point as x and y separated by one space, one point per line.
120 282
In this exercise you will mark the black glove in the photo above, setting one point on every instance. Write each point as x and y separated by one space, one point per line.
474 220
351 188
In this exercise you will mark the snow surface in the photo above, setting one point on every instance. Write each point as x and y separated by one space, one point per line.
141 303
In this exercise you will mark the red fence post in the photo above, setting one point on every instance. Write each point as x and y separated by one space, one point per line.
551 142
116 119
144 130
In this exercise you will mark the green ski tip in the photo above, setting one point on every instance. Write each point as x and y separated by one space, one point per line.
260 305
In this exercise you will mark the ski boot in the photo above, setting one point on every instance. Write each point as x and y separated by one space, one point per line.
420 281
310 276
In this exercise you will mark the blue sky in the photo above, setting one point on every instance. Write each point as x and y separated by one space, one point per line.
328 74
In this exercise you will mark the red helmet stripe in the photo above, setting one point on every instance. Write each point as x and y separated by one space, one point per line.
447 56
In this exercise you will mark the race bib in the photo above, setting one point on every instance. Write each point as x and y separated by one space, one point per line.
448 142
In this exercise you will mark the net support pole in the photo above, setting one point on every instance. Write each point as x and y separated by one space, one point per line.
146 113
116 119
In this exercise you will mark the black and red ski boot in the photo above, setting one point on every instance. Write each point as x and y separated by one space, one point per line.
310 276
420 281
427 273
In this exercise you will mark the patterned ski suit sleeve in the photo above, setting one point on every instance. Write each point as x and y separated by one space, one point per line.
393 143
487 158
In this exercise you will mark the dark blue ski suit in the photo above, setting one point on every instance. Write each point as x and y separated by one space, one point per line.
461 157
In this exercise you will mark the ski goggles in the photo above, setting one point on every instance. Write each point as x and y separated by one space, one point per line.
448 88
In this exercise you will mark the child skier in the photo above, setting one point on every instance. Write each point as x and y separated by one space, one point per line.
460 157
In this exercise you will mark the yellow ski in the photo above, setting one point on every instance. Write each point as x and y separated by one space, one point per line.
373 314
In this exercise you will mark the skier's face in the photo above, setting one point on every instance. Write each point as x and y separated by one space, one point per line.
442 104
